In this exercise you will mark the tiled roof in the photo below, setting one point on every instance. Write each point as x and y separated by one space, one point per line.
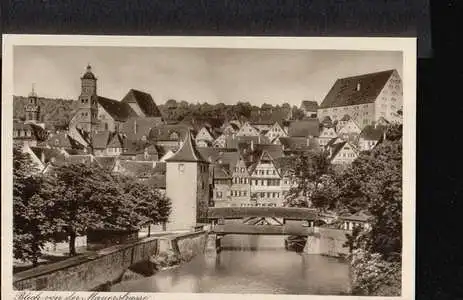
119 111
144 101
106 162
100 139
137 127
275 151
294 143
62 140
115 141
284 164
164 132
344 91
157 181
360 216
21 126
46 155
305 128
222 171
138 168
372 133
233 142
187 152
309 105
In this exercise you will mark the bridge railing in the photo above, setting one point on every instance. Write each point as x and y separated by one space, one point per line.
288 213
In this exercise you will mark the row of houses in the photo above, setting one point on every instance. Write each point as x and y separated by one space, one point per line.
247 160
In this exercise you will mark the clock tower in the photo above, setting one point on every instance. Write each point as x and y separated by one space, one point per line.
87 113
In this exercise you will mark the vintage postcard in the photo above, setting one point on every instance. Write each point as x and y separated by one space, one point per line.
187 167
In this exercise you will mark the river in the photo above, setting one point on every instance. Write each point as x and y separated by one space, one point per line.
249 264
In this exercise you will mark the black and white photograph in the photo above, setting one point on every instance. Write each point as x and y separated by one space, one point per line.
236 166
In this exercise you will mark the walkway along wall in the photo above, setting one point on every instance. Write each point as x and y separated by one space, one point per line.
107 266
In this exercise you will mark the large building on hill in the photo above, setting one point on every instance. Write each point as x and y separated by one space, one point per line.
364 98
97 113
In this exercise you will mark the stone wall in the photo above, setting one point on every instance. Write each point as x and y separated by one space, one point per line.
327 241
107 266
86 272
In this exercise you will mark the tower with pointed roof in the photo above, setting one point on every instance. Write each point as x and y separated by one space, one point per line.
187 185
87 113
32 107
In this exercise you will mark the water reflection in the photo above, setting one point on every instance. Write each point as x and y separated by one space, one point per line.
249 264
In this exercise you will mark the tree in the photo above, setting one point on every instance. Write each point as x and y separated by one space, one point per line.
297 113
145 199
164 208
315 179
374 183
88 198
30 227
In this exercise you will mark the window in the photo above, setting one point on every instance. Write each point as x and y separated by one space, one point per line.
245 193
262 194
181 168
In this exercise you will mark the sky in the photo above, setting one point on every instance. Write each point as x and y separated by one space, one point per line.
194 75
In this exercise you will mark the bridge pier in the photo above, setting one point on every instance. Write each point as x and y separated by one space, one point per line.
218 243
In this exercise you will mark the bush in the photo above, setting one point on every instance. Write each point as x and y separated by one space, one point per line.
166 259
373 276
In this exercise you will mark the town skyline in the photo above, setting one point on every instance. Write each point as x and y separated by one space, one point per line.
195 75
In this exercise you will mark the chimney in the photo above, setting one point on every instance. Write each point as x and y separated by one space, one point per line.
42 156
358 87
252 145
135 126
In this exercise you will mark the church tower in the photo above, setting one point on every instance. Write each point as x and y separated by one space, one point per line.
32 107
187 186
87 112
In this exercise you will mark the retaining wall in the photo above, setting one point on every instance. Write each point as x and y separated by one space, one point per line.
327 241
101 268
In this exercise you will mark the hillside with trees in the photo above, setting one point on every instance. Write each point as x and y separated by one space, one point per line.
52 111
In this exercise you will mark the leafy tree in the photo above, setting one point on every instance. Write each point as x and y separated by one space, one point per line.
30 227
297 113
374 183
164 208
150 205
88 198
316 185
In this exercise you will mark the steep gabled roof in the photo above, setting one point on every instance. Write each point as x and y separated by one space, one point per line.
222 171
309 105
275 151
46 155
344 91
187 152
164 132
372 133
145 102
295 143
62 140
100 139
119 111
305 128
106 162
